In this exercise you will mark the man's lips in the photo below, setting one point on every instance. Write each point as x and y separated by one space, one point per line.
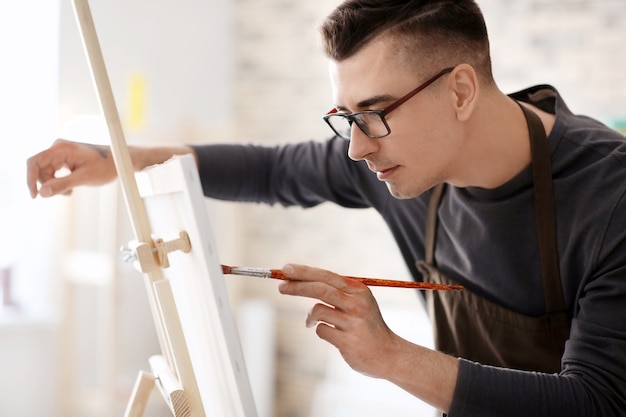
385 173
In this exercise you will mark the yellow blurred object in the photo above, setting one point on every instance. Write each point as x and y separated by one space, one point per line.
136 118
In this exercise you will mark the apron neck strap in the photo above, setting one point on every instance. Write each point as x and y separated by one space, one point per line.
544 214
431 222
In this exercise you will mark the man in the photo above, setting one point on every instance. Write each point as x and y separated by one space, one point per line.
513 196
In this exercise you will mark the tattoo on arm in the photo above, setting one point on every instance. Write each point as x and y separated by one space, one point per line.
102 150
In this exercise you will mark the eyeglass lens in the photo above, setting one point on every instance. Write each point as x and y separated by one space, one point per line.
371 123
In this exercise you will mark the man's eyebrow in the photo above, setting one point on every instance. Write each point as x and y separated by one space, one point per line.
372 101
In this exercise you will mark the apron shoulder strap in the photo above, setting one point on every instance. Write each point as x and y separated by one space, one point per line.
431 223
545 213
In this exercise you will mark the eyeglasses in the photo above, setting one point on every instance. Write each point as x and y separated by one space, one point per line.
372 122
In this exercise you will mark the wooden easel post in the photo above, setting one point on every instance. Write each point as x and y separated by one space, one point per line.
166 321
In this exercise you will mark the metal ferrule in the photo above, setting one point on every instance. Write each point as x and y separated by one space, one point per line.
252 272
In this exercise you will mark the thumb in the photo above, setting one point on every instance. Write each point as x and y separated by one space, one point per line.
56 186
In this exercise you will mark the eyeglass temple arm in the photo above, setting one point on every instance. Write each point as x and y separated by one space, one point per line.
418 89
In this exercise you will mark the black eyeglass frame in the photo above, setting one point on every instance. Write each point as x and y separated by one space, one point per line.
354 117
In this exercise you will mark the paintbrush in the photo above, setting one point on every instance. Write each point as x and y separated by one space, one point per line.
374 282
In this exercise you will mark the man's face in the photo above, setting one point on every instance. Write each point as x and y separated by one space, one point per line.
420 150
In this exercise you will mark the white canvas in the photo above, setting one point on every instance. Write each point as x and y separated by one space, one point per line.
174 202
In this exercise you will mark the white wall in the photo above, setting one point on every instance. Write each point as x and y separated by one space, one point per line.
179 52
28 94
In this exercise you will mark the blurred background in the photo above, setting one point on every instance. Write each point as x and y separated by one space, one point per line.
75 325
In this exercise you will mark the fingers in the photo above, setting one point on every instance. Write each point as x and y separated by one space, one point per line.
340 294
87 165
323 313
311 274
33 172
57 186
318 284
348 316
41 168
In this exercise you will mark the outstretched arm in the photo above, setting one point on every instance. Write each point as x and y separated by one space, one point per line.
87 164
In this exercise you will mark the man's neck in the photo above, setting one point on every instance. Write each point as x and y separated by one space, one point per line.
498 143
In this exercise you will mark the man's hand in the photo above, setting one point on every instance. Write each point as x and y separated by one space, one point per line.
348 317
87 165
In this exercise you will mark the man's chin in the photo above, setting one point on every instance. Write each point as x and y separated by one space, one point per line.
398 193
407 192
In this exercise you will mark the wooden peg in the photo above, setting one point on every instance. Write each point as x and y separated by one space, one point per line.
146 257
164 247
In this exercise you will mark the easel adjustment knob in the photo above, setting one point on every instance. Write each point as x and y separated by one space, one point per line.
146 257
164 247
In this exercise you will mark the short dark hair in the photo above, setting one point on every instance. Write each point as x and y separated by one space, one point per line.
431 33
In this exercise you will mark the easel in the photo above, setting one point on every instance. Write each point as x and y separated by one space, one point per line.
173 371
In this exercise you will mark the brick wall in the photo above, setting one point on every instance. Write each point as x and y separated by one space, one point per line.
576 45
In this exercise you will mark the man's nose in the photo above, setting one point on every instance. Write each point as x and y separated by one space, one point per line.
361 145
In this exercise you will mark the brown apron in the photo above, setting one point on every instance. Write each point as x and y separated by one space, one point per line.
469 326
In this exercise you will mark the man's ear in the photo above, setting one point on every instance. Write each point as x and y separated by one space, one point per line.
465 89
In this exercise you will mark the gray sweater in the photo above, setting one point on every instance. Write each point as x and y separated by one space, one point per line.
487 241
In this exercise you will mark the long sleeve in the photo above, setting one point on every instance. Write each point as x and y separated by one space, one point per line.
487 391
304 174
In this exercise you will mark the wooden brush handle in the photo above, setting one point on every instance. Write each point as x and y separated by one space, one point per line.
378 282
373 282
